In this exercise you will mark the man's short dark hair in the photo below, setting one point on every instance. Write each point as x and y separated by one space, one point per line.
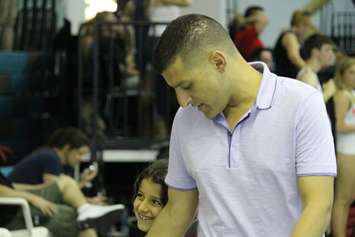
252 9
187 35
71 136
315 41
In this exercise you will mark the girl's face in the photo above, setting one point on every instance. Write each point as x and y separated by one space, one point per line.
147 204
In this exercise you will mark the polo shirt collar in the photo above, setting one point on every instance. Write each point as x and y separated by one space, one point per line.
267 89
266 92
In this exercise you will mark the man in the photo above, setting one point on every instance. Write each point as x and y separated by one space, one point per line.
65 147
319 54
253 150
63 204
247 38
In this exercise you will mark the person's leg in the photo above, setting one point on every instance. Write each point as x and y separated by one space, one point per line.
344 194
87 216
66 216
71 193
63 224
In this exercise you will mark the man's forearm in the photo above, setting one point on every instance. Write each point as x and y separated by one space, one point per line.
313 222
8 192
168 224
30 187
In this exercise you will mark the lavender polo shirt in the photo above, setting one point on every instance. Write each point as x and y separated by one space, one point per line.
247 177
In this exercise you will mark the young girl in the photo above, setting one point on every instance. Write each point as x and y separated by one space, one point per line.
151 195
345 126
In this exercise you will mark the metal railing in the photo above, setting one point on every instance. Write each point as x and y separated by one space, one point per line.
101 80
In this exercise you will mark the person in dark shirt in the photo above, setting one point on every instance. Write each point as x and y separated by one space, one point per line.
287 56
247 38
65 147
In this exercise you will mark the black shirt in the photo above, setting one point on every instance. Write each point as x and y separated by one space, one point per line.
283 66
30 169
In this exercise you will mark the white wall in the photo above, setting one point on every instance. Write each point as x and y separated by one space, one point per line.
212 8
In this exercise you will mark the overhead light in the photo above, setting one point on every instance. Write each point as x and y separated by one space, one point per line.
92 7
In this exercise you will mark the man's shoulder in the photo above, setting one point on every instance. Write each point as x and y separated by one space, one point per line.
188 116
294 87
43 153
188 113
293 92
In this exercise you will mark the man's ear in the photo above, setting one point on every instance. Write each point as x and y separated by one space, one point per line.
218 59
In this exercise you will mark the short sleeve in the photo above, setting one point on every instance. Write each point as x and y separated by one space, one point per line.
50 163
178 175
315 155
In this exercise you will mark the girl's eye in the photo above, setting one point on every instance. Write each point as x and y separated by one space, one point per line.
157 203
139 195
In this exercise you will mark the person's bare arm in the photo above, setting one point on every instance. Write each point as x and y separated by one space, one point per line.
177 215
30 187
47 208
342 105
329 89
317 199
307 77
292 46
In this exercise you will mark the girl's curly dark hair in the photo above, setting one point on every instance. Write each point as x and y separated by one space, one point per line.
156 172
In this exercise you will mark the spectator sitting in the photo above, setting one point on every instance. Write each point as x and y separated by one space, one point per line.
65 147
61 203
247 38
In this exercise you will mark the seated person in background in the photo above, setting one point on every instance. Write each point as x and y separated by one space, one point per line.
63 204
65 147
287 56
319 54
264 55
151 195
247 37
